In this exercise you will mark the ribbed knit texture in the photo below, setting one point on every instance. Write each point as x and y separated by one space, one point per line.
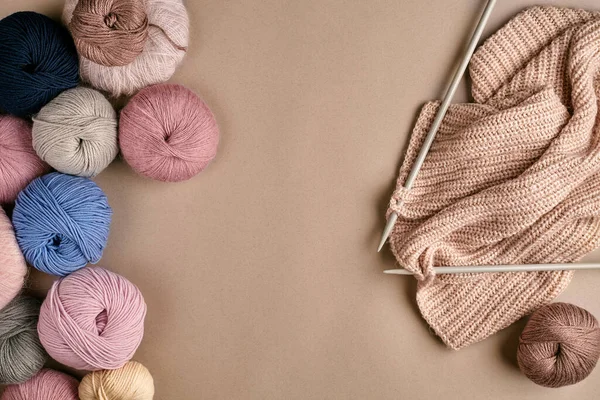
513 178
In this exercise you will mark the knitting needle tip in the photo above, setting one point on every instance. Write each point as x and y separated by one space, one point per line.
388 229
397 272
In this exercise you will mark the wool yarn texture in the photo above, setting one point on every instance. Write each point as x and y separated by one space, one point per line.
110 32
38 60
46 385
132 381
62 223
19 164
92 319
559 346
76 133
513 178
21 354
127 44
13 269
167 133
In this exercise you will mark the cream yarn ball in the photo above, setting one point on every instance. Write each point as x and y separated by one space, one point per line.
130 382
164 48
76 133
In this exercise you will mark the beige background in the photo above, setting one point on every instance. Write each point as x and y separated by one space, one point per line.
261 275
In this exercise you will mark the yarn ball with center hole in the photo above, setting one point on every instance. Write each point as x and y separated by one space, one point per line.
132 381
19 164
62 223
45 385
110 32
13 269
168 133
559 346
38 60
76 133
92 319
21 354
127 44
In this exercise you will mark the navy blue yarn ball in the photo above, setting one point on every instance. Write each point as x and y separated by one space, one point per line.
38 61
61 223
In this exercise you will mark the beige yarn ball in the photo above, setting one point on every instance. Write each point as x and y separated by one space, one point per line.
130 382
165 45
76 133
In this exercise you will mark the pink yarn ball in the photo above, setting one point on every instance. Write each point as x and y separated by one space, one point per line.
92 319
46 385
19 164
168 133
13 268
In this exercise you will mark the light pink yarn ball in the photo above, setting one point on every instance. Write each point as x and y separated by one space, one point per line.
168 133
45 385
13 268
19 164
92 319
164 49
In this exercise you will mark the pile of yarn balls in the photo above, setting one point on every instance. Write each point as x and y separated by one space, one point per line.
58 130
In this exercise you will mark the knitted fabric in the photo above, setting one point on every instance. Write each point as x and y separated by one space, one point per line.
513 178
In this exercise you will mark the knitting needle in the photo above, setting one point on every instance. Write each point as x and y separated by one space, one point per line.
501 268
440 114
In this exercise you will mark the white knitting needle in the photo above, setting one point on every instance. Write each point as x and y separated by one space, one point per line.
501 268
440 114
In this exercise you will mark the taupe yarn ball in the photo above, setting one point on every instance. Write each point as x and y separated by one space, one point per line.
559 346
76 133
110 32
21 353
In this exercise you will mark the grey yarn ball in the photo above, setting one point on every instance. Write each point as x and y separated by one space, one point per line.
76 133
21 353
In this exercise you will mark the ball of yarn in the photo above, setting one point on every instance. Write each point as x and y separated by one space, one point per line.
164 38
76 133
110 32
46 385
13 269
62 223
559 346
19 164
168 133
132 382
21 354
38 60
92 319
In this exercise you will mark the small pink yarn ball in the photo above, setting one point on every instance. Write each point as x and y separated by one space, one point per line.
45 385
92 319
13 268
168 133
19 164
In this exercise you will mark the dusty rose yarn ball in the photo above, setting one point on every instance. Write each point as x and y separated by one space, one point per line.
13 268
19 164
92 319
46 385
126 45
559 346
168 133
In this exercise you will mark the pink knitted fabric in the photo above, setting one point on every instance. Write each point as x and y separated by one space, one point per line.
513 178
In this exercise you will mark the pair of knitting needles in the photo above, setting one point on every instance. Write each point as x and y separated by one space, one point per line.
423 154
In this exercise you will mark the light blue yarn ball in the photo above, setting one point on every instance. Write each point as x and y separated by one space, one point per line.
62 223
